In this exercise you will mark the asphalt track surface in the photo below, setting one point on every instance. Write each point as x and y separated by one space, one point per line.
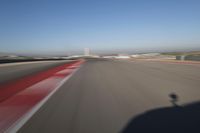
106 96
12 71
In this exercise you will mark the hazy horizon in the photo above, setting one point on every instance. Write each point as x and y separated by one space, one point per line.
99 52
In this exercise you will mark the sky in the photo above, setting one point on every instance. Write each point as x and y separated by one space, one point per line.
67 26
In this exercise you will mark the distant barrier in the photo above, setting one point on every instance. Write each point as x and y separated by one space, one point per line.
188 57
24 60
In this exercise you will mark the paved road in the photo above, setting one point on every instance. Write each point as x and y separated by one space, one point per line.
105 95
12 71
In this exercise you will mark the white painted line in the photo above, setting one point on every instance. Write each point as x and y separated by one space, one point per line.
19 123
65 71
42 86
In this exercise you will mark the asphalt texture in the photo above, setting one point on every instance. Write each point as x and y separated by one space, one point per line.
12 71
107 96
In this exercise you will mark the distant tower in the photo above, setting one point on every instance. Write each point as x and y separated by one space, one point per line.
86 51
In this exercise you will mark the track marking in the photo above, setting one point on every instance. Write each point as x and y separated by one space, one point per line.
18 109
18 124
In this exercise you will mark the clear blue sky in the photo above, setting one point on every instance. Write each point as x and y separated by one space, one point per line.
53 26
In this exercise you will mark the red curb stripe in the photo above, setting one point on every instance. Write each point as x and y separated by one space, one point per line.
9 89
13 108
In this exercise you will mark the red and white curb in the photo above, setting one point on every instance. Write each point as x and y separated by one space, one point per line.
17 109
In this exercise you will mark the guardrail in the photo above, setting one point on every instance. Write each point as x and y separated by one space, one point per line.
188 57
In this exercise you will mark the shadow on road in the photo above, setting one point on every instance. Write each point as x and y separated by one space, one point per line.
176 119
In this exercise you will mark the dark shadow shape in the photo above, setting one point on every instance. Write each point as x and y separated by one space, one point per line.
175 119
174 98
